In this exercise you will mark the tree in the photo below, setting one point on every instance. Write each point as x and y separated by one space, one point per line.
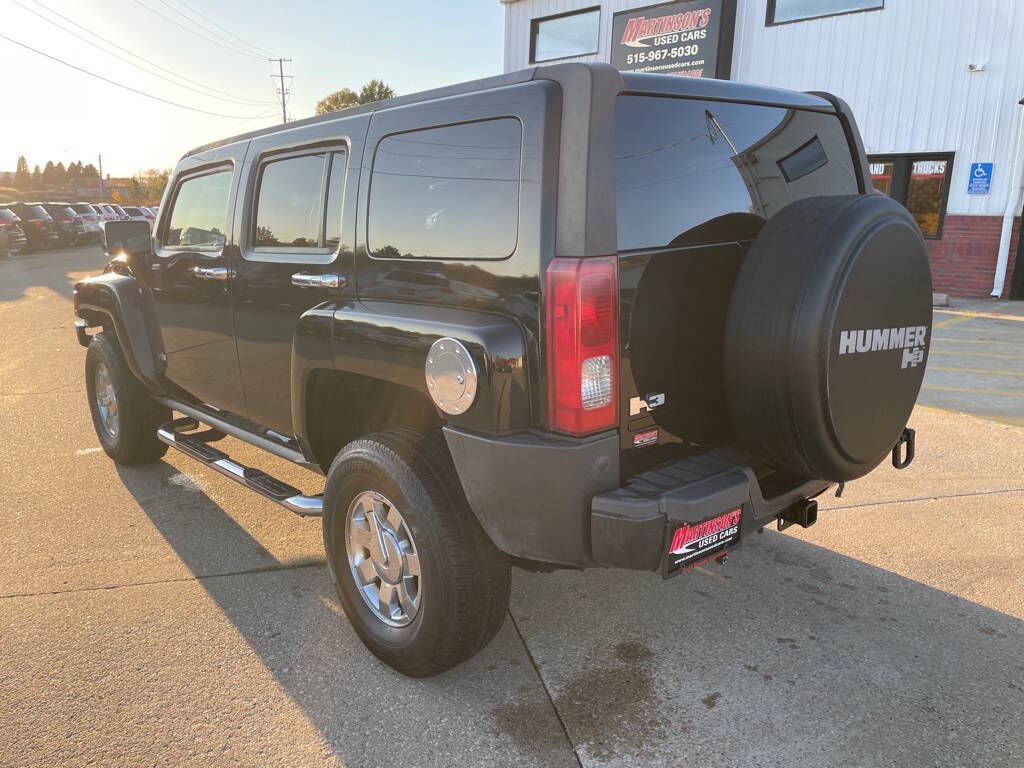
90 172
149 185
49 173
60 173
21 177
37 175
375 90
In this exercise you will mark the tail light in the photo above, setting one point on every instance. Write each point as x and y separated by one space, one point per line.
63 219
37 223
582 344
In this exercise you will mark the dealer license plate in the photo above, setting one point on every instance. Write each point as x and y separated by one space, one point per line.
692 543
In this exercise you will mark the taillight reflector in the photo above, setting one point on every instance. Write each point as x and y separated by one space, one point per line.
582 344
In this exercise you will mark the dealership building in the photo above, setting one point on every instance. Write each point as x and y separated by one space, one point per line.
935 85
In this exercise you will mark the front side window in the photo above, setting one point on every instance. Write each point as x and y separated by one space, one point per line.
920 182
199 213
784 11
447 193
571 34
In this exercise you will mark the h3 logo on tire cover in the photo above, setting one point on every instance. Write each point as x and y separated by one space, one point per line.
910 339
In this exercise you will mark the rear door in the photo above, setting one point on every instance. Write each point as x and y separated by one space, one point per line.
191 279
296 239
695 182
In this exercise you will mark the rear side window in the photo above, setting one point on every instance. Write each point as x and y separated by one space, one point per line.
298 203
199 213
690 171
447 193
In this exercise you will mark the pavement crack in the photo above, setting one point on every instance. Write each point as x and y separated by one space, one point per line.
309 563
923 498
547 692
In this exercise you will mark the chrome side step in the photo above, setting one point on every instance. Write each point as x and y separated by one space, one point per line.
176 434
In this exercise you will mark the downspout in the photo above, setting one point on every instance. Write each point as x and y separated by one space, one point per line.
1013 205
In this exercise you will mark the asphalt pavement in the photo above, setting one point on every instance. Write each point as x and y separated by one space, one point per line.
162 615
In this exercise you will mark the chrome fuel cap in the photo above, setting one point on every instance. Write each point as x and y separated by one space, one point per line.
451 375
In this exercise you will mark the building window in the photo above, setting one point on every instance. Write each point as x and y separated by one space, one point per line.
786 11
920 182
565 35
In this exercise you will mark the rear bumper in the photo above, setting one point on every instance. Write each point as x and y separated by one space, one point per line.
543 497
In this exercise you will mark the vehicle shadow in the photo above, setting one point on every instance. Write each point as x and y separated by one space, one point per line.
290 616
57 270
792 654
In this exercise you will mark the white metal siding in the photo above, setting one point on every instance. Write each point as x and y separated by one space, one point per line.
903 69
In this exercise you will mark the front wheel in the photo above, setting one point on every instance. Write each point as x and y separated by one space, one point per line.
421 583
124 414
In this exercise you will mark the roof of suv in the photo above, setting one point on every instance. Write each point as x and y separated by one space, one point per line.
704 88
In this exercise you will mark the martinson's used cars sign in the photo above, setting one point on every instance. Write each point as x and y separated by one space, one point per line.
693 38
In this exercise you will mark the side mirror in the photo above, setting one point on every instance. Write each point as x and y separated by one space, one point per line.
127 237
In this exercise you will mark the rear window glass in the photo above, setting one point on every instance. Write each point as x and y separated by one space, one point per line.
6 215
447 193
37 211
690 171
200 212
82 208
133 211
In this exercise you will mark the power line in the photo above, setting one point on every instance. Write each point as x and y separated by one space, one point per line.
216 36
132 63
119 85
137 56
165 17
264 51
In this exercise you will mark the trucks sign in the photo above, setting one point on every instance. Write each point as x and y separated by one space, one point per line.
693 38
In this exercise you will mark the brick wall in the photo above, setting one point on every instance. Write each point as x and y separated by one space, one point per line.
964 260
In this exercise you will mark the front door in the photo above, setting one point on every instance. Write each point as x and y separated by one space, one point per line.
296 235
191 279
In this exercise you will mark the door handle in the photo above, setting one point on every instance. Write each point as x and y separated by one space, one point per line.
211 273
306 280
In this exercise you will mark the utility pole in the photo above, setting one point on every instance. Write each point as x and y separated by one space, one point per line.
282 91
101 178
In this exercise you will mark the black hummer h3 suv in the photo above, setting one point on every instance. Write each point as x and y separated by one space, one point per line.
567 315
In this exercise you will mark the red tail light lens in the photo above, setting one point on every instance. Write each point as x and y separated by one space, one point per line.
582 344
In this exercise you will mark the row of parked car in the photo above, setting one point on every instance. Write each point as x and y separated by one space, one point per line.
37 226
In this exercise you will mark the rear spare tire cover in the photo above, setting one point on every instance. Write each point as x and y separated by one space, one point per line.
827 335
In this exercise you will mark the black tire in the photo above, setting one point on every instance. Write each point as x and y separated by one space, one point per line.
465 579
827 335
138 414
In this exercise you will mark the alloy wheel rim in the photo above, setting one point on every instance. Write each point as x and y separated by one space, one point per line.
106 400
383 559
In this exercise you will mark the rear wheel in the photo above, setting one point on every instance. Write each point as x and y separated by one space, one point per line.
422 585
124 414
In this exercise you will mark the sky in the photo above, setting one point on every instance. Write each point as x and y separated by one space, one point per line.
55 113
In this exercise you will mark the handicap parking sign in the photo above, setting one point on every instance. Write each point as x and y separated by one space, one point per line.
980 181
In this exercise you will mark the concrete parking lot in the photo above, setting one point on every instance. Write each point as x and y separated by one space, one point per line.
161 615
